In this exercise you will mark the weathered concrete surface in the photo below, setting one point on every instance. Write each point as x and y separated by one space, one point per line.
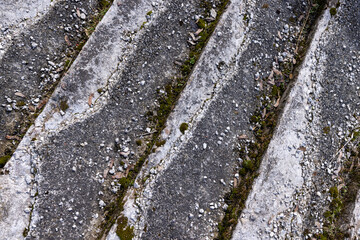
32 45
16 15
108 90
179 192
303 160
355 221
62 173
40 37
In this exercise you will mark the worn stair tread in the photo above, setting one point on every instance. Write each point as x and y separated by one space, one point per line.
129 57
306 154
187 178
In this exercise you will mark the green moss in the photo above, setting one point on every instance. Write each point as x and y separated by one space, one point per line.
183 127
63 105
142 25
338 216
25 232
275 91
246 18
333 11
145 178
4 160
201 23
255 119
104 4
248 165
20 103
334 192
242 171
126 182
67 63
138 142
185 69
124 231
160 143
326 130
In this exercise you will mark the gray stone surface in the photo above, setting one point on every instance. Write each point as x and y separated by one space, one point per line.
355 221
303 160
187 178
34 59
69 150
32 47
16 15
63 173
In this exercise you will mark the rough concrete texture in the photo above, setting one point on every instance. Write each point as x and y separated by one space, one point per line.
32 46
355 221
187 178
94 118
304 158
15 15
67 167
35 59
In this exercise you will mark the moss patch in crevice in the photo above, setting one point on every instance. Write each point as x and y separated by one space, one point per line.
4 159
124 231
253 151
338 217
183 127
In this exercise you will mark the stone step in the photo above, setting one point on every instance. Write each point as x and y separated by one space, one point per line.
304 171
15 16
32 48
180 190
58 181
38 40
73 174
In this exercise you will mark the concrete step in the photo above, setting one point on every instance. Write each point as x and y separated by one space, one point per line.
78 172
57 182
179 193
32 53
304 177
38 41
15 16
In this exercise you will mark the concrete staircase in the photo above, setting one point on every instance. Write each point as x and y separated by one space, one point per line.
181 120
